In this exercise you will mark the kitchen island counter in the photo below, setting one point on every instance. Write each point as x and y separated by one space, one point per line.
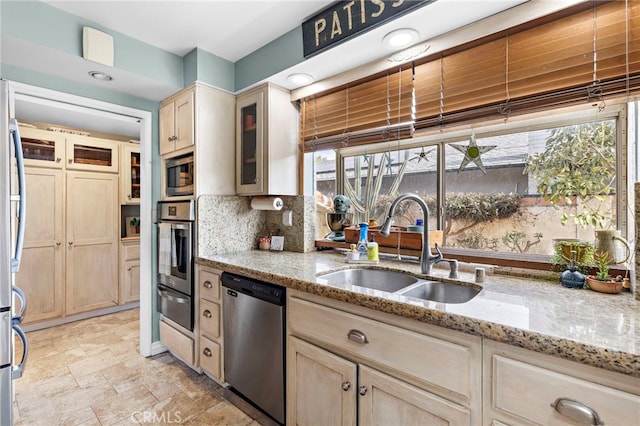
602 330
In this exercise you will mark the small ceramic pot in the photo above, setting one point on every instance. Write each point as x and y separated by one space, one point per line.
611 287
265 243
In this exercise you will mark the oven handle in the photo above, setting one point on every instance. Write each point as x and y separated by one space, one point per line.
180 226
165 295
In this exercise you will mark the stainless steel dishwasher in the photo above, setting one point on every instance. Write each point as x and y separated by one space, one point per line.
253 314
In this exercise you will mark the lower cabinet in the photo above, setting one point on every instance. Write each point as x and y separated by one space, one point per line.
352 367
180 345
209 321
129 271
525 387
326 389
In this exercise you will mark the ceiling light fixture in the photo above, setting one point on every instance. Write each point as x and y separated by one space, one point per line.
403 37
99 75
300 79
409 54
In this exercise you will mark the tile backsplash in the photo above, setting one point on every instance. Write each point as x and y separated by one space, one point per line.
227 223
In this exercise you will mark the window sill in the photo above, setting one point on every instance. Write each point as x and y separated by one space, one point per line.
506 260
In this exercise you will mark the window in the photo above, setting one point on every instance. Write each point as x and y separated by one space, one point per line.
508 188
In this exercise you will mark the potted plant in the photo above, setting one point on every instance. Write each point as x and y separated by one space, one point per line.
135 224
602 281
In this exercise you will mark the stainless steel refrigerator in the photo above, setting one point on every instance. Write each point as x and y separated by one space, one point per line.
12 226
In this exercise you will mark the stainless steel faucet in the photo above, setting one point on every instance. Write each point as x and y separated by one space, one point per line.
427 259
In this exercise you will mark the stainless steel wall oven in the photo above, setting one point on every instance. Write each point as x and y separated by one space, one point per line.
175 221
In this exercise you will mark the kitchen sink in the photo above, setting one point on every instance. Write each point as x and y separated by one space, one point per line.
400 283
377 279
440 292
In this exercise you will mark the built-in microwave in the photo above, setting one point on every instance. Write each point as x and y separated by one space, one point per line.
179 175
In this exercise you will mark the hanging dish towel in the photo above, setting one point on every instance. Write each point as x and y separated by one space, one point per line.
164 252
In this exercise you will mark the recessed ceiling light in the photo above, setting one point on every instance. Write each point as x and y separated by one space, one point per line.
99 75
300 79
403 37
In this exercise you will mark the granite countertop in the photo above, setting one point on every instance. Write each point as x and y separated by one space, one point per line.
597 329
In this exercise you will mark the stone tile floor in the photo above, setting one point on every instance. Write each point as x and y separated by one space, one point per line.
90 372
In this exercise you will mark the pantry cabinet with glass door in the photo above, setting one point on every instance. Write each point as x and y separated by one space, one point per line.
70 248
266 142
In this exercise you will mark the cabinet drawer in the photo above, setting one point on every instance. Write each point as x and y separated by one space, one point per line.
209 319
209 284
210 359
178 343
527 391
432 360
130 251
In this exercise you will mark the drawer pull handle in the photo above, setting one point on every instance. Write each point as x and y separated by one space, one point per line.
346 386
207 352
357 336
207 313
576 411
363 390
207 284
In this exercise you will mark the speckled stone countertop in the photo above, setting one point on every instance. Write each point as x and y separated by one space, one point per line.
597 329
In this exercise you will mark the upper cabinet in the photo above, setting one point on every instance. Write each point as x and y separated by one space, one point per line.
266 142
130 174
199 120
177 122
45 148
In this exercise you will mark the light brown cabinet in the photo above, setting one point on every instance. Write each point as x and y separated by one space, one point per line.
356 353
92 241
70 259
266 142
202 119
177 122
42 274
210 321
129 271
130 174
523 387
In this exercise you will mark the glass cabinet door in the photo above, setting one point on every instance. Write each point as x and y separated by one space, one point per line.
250 144
42 148
130 174
92 154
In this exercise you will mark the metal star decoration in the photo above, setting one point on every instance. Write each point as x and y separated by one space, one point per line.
472 152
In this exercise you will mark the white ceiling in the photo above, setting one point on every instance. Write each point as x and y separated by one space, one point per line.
233 29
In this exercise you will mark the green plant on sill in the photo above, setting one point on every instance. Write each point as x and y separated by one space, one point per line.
603 260
135 222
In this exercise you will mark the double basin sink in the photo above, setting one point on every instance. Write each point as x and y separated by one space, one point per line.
401 283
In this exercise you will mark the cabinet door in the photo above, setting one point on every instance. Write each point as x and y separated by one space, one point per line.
92 241
250 144
92 154
130 175
321 386
184 120
41 274
385 400
167 128
130 282
42 148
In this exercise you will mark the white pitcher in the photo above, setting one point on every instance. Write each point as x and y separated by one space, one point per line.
609 241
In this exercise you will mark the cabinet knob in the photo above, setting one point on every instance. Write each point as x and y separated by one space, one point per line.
346 386
207 352
357 336
70 160
577 411
70 243
58 159
129 196
207 313
129 269
362 390
58 243
207 284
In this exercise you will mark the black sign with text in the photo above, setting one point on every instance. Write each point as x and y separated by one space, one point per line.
345 19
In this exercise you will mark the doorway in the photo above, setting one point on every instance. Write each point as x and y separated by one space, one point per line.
38 104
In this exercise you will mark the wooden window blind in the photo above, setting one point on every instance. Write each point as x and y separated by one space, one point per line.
576 58
376 110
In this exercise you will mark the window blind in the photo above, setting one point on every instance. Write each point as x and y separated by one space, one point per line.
576 58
